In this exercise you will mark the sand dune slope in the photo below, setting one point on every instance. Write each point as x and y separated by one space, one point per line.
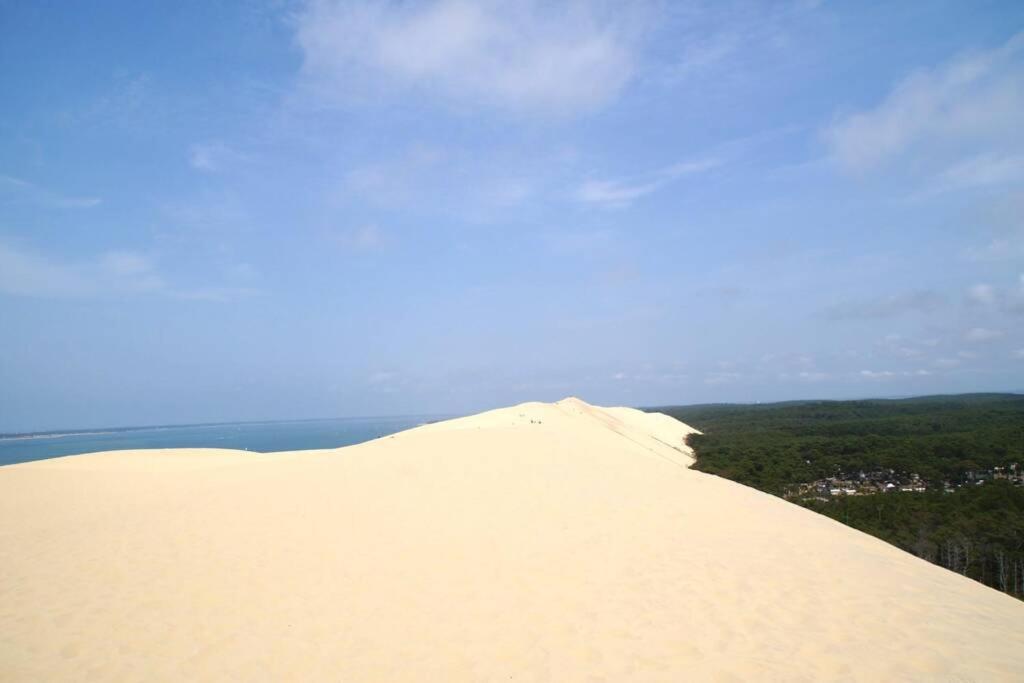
557 542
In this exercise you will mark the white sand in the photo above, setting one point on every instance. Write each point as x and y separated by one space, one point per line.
555 542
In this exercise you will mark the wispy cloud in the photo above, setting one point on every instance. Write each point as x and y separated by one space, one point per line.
362 238
923 301
1000 219
982 293
981 171
905 348
399 179
27 273
15 189
983 334
975 99
1014 300
812 376
877 374
614 193
997 249
725 43
1005 299
719 378
209 212
114 273
215 294
891 374
704 53
450 179
561 58
129 101
213 156
621 193
23 273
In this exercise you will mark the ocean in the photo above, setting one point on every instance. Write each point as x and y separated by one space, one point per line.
253 436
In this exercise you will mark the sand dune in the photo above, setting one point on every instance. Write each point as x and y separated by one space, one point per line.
557 542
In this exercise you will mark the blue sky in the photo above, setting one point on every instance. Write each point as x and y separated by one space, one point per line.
254 210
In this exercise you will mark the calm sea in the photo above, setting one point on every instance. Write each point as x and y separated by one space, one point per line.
254 436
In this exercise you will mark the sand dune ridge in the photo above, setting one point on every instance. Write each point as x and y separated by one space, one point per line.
539 542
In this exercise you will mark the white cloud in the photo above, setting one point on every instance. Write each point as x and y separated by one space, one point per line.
17 189
718 45
889 374
1004 299
131 101
902 347
976 100
982 170
877 374
25 273
703 53
998 249
812 376
718 378
113 273
214 156
1002 217
363 238
454 180
1014 299
621 193
982 294
1018 353
507 192
613 193
211 212
225 294
125 264
529 56
983 334
893 305
202 157
400 179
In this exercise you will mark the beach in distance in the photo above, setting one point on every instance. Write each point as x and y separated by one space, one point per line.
545 541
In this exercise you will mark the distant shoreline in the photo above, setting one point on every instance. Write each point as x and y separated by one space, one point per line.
57 434
53 435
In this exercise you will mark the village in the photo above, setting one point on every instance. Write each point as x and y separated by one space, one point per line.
890 481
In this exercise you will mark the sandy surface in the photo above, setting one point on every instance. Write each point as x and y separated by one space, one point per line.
555 542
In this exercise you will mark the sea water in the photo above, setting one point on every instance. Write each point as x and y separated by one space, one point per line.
263 437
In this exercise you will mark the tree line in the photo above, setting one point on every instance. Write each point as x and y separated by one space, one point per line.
974 529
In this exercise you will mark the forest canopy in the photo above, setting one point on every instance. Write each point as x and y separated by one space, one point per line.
963 453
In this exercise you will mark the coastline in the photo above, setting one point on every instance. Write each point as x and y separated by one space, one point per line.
542 541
